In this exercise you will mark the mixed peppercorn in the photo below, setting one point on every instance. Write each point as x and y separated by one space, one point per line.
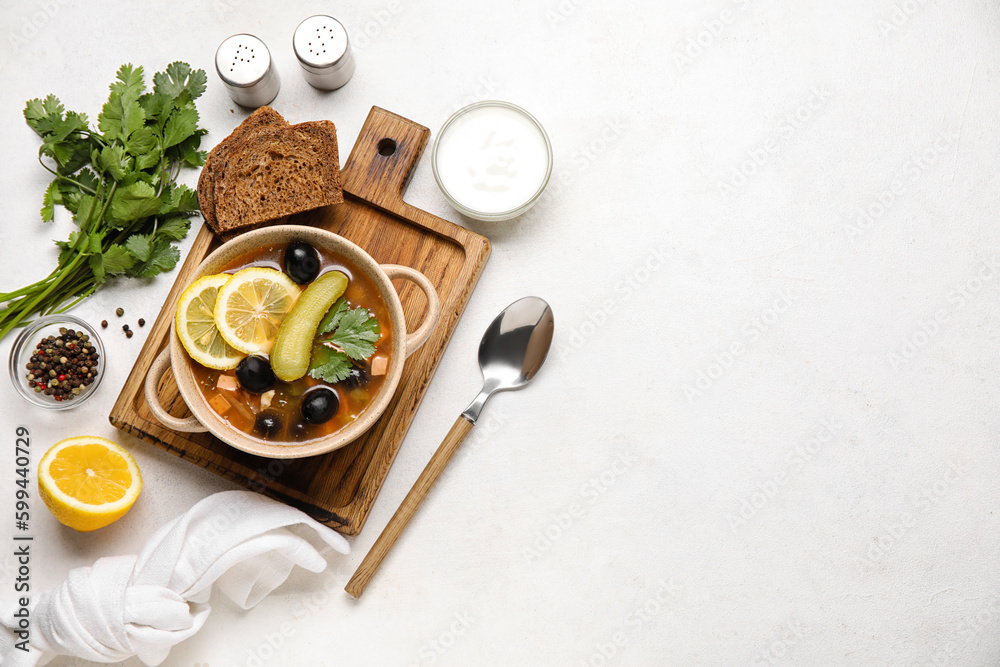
63 366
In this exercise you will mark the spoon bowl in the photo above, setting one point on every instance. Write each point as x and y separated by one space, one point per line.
513 348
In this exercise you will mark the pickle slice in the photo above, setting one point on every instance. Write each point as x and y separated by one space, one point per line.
293 343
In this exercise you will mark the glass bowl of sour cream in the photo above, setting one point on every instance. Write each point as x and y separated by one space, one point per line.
492 160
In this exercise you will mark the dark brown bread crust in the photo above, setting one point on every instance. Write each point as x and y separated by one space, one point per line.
263 117
276 171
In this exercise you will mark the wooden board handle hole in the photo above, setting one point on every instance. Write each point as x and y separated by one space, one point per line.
386 147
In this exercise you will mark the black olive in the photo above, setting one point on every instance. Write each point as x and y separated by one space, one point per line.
357 378
301 262
267 424
255 374
319 405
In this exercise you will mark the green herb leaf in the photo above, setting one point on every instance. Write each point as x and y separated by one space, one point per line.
332 317
148 160
52 197
141 141
120 117
181 125
356 333
42 115
136 201
69 155
157 107
88 207
71 193
140 246
94 243
112 158
179 199
115 260
129 84
187 151
179 78
63 127
162 257
329 365
68 248
174 228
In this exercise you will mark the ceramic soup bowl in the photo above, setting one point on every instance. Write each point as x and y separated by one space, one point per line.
204 418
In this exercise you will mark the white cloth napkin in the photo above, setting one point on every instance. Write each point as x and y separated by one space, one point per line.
143 605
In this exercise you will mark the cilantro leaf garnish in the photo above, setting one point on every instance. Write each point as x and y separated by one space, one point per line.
329 365
345 335
332 317
356 334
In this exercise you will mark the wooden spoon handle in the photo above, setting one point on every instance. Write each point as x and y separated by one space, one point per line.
383 545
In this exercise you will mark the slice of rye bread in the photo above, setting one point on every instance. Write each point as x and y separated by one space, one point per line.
233 233
277 171
263 117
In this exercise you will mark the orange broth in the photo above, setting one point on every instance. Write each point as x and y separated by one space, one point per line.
243 406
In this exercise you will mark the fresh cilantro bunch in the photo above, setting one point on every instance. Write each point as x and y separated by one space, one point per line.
119 182
345 335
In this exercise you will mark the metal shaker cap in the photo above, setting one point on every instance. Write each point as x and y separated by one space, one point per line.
244 65
324 52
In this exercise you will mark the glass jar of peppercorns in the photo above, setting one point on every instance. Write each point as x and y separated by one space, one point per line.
57 362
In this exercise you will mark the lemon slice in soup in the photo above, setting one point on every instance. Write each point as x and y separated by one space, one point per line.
194 323
251 306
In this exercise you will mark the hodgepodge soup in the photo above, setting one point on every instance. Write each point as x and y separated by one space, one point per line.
282 420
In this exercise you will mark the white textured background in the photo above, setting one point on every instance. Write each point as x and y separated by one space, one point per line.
712 162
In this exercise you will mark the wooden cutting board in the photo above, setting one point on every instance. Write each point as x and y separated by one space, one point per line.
338 488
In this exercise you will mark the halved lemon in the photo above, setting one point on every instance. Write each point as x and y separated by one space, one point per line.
88 482
194 323
250 308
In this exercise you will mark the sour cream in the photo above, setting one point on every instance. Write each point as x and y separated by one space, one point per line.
492 160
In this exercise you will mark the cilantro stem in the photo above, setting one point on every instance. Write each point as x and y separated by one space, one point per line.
33 304
66 178
7 296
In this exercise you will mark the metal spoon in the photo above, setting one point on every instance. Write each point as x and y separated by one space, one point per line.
510 354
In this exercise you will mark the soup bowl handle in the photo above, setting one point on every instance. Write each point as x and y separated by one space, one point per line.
423 332
156 371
